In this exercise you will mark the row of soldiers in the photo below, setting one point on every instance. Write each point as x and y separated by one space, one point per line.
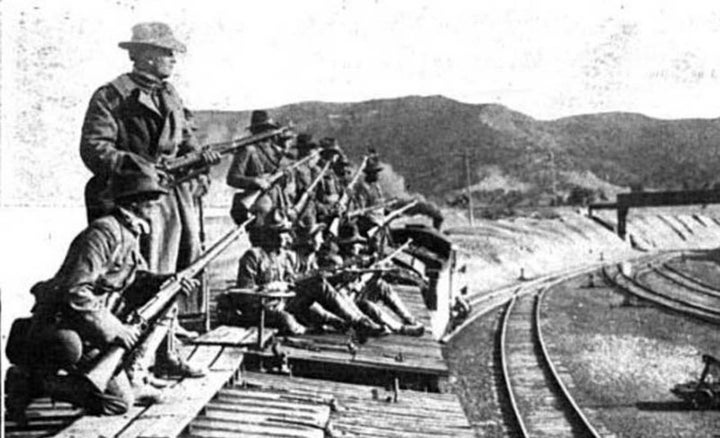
319 217
143 228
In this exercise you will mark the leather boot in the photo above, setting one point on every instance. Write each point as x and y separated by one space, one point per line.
18 393
395 303
365 326
287 323
416 330
176 367
68 388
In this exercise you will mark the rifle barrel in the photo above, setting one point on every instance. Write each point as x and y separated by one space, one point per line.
193 158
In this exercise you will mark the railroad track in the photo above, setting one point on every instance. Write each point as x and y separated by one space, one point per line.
682 300
539 401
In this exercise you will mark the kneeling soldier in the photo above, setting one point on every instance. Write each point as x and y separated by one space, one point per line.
76 315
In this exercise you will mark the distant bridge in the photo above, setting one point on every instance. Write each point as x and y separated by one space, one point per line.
625 201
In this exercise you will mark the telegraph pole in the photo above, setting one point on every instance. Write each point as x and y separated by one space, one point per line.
471 215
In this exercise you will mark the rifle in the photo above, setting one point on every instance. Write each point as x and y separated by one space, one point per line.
378 266
302 202
344 200
390 217
194 159
107 365
250 199
365 210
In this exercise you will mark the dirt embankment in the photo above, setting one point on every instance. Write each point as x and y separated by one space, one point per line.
501 252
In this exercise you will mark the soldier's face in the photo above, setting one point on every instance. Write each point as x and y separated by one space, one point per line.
158 61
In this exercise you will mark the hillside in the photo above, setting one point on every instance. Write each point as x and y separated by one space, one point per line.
423 139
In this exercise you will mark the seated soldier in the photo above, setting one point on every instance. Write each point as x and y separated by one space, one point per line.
77 313
373 289
317 301
270 267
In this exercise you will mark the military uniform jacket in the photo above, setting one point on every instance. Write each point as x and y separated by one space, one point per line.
125 117
257 268
262 159
138 115
102 260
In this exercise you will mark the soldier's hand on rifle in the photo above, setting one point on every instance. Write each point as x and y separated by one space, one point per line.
202 187
128 336
263 182
211 158
188 285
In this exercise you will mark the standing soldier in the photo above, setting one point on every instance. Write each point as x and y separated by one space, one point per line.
330 189
304 176
139 114
252 167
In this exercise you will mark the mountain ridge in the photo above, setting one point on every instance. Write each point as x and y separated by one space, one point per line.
423 139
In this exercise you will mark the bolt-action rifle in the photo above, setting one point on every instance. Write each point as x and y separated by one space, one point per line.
110 361
390 217
194 160
302 202
250 199
342 203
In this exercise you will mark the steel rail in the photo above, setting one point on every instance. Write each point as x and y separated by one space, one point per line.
577 411
506 372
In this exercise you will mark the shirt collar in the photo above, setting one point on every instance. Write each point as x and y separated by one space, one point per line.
146 80
133 222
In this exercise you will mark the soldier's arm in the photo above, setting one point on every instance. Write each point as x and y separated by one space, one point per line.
245 171
87 259
248 271
98 142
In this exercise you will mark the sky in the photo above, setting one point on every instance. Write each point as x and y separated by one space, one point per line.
547 59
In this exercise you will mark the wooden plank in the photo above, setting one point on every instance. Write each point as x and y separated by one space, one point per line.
216 428
234 336
185 400
357 410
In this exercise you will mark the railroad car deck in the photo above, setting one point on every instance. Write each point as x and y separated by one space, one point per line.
416 361
266 404
231 401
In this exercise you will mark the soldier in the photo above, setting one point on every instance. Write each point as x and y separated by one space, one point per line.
76 314
369 292
305 175
140 114
330 189
252 166
270 266
317 301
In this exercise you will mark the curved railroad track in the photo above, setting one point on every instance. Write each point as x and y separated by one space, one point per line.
541 404
664 292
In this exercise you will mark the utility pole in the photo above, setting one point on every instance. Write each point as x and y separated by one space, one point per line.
471 215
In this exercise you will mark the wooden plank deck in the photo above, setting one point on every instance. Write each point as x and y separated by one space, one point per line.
416 361
266 404
182 402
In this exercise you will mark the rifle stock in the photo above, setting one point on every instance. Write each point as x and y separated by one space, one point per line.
345 198
107 365
302 202
390 217
193 159
250 199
